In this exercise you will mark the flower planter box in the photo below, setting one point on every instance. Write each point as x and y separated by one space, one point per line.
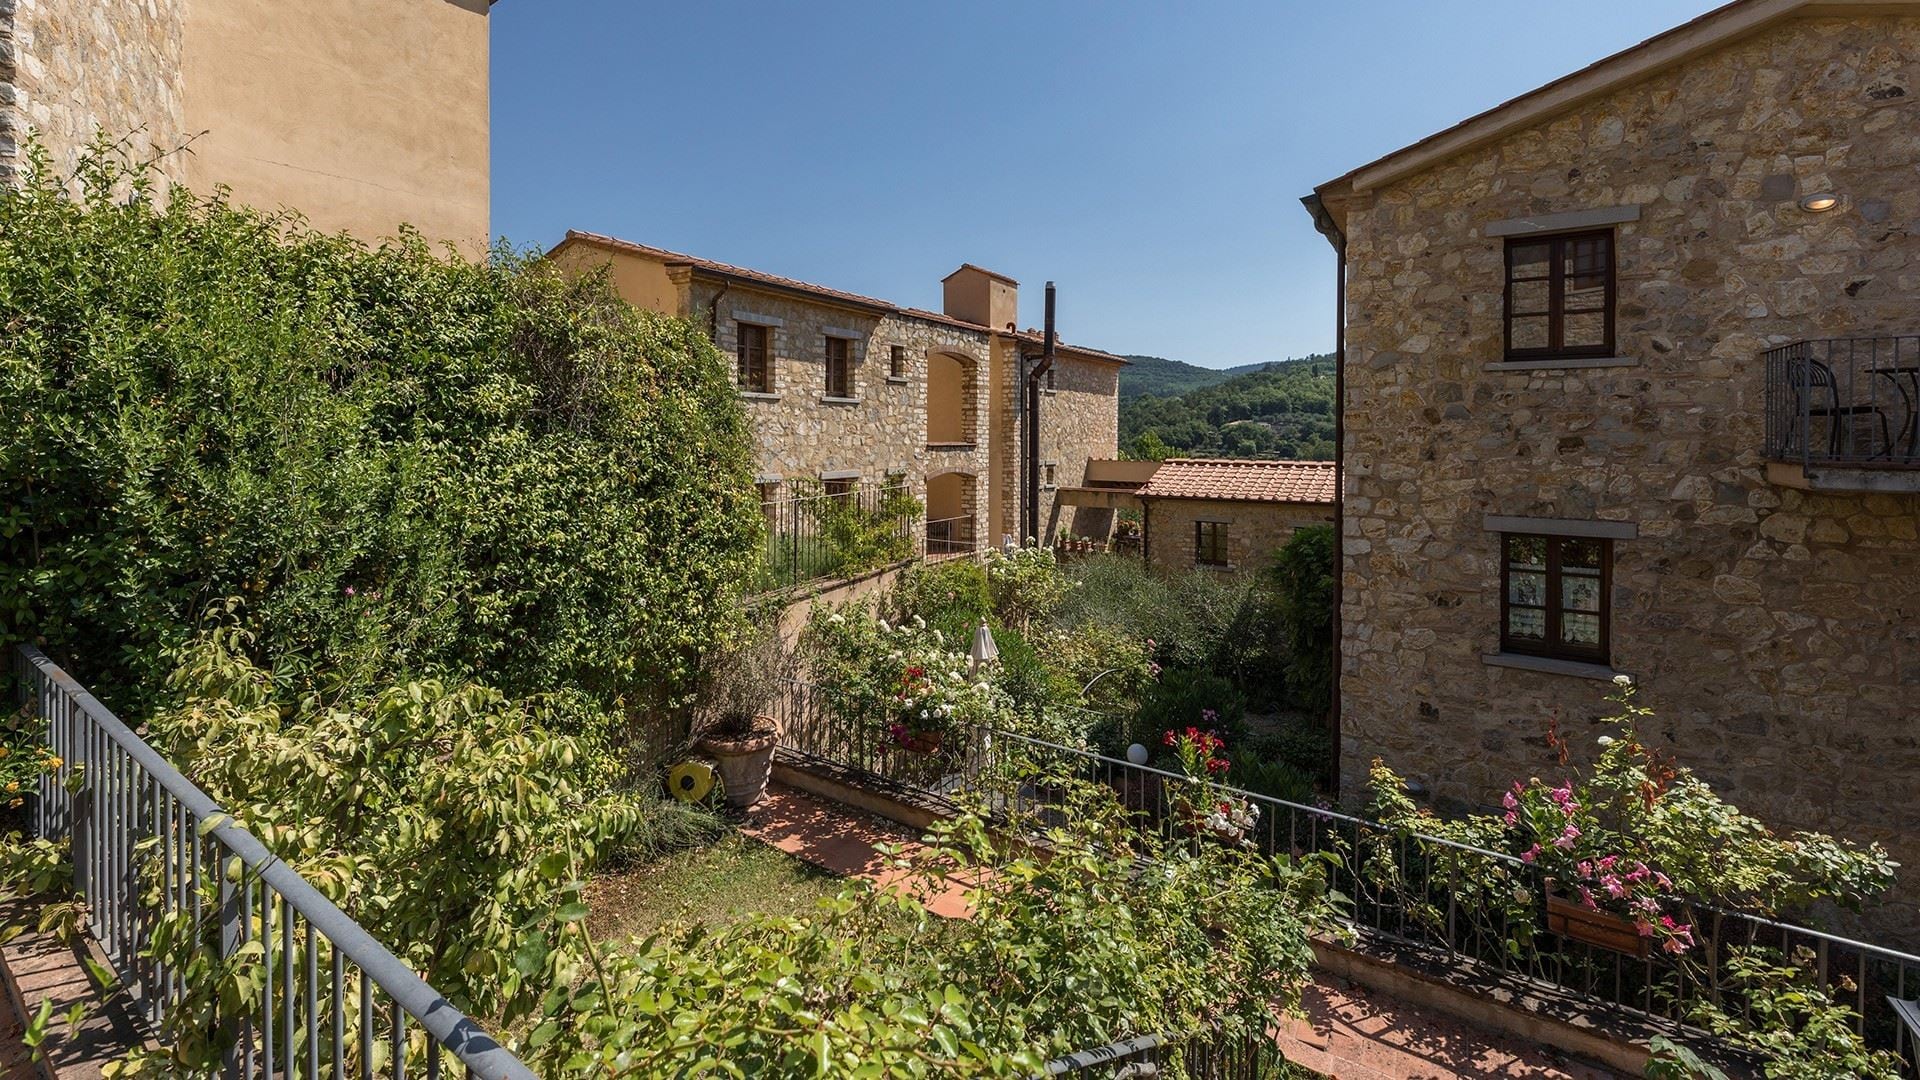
922 742
1571 919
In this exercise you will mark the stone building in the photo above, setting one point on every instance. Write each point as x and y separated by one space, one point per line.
1229 515
361 114
851 389
1626 392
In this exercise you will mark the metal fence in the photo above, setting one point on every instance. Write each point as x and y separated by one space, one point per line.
816 531
949 536
1204 1057
1450 900
154 856
1845 401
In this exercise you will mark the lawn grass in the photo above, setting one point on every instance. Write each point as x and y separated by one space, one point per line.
717 883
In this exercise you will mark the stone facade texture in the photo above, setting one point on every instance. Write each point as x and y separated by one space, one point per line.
1255 530
883 428
1774 631
69 68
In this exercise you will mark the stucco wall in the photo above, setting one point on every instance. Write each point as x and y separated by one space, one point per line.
1255 531
71 67
1079 420
1776 633
362 114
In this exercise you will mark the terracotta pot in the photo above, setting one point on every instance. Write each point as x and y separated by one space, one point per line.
1571 919
744 762
922 742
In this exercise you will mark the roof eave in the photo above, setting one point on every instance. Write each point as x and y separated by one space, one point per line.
1711 31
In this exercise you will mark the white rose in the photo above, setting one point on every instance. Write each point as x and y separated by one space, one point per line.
1623 680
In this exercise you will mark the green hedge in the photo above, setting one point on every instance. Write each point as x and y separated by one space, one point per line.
400 462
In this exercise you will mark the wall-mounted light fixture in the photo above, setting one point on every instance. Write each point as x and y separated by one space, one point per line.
1819 202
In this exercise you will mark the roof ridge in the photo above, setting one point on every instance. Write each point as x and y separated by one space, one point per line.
671 258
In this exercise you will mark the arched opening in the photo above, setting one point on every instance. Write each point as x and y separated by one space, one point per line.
950 392
950 507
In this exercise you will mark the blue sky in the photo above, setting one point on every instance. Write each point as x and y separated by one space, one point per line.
1148 157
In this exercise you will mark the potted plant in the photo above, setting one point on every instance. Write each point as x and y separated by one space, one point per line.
737 686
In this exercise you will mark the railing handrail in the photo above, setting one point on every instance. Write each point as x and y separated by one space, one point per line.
975 731
447 1024
1242 793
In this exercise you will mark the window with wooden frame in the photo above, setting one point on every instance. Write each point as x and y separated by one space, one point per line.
840 488
897 362
752 349
1210 543
1560 296
1554 596
839 367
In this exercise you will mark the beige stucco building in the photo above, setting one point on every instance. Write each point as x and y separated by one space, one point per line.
361 114
1628 390
853 389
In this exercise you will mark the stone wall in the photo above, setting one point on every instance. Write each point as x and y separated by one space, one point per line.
71 67
1255 530
1776 633
1079 420
799 433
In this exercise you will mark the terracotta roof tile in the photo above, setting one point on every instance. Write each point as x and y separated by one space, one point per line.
741 273
1237 480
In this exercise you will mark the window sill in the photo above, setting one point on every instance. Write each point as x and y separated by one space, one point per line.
831 400
951 447
1550 665
1566 364
901 379
759 395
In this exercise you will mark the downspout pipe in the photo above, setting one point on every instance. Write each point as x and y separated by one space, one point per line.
1324 223
1030 442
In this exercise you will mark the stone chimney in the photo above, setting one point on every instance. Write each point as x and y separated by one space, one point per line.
976 295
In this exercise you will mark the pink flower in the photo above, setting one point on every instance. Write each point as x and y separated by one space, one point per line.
1613 886
1512 819
1530 854
1586 898
1509 801
1645 927
1565 840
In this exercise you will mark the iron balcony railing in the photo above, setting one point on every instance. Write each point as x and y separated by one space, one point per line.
1845 401
1450 900
148 845
949 536
817 532
1207 1056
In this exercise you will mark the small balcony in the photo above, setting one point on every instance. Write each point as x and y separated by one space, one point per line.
1843 414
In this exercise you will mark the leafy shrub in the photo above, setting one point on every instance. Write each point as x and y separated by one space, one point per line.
1215 939
449 821
1025 585
1196 619
404 463
951 596
1302 580
1190 696
1790 1020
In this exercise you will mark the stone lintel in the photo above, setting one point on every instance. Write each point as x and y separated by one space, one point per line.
1564 364
841 474
1605 530
1572 219
829 400
1549 665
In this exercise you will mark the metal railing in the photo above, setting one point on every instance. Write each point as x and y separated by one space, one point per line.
1451 900
949 536
816 533
1845 401
151 851
1205 1057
